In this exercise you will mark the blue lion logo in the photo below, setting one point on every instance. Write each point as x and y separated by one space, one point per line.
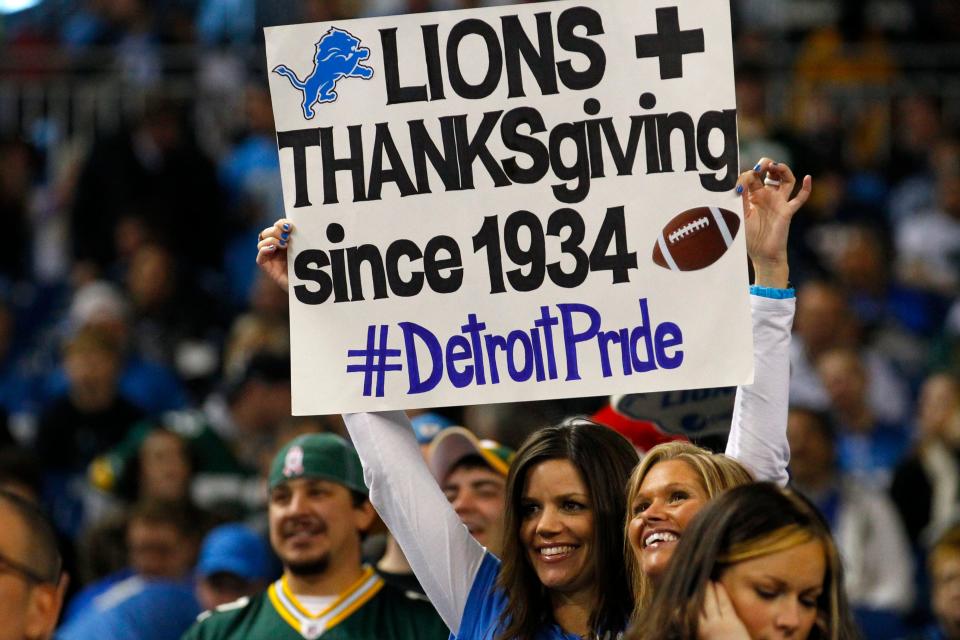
337 56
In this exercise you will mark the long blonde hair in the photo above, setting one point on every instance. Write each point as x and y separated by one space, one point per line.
750 521
716 473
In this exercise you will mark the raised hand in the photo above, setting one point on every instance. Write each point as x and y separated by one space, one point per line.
718 620
272 251
768 210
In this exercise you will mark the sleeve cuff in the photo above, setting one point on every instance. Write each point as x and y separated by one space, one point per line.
772 292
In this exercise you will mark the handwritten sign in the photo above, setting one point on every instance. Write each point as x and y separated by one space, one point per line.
515 203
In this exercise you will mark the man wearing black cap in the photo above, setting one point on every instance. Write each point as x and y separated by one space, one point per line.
318 512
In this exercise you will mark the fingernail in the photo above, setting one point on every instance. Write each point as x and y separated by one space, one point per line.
284 235
270 247
739 189
286 227
757 168
283 243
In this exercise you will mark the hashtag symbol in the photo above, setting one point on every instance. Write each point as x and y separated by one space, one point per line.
375 363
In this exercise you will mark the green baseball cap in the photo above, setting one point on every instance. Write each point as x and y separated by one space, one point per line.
318 455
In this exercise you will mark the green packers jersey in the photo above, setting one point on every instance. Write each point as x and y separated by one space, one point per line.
368 610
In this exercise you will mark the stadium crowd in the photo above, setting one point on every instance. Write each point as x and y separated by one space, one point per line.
144 360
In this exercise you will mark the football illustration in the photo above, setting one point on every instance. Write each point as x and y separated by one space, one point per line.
695 239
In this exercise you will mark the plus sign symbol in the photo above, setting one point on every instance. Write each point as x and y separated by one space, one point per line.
669 44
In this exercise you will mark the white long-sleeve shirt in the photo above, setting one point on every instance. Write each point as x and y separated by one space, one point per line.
446 558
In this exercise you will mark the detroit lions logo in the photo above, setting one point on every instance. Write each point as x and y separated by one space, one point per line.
338 56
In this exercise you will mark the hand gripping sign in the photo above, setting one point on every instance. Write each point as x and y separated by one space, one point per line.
516 203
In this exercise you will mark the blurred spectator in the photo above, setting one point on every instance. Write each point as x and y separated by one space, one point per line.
234 562
148 610
252 403
17 181
250 175
179 456
31 591
92 416
917 127
928 243
758 138
21 474
161 333
153 172
824 321
8 382
162 539
221 22
868 447
848 56
151 463
876 555
253 333
223 444
926 485
894 320
944 567
473 476
152 386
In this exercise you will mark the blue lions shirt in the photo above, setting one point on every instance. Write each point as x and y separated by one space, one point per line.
485 604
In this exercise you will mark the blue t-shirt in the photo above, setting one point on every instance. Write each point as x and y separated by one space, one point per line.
153 610
485 604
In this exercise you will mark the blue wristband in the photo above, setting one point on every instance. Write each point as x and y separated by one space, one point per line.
772 292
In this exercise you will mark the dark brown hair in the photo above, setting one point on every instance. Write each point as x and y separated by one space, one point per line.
747 521
604 460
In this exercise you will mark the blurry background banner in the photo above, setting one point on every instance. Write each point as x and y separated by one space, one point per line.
519 203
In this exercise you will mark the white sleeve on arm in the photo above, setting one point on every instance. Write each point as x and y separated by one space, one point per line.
444 556
758 432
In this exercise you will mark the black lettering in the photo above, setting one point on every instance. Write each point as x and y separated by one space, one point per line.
528 145
424 148
397 94
579 170
567 23
666 125
383 144
623 159
469 149
332 164
299 140
399 286
431 48
309 265
370 254
432 265
491 80
726 122
540 61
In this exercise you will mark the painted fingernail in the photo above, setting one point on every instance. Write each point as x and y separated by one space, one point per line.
739 189
283 243
284 235
757 168
286 227
270 247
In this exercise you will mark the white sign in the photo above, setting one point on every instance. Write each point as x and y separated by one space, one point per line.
516 203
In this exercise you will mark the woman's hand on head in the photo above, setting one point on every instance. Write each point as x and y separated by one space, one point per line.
718 619
272 251
768 210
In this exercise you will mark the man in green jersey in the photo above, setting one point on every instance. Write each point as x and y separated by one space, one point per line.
318 512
